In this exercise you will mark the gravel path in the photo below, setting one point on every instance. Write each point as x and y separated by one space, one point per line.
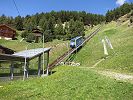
117 76
114 75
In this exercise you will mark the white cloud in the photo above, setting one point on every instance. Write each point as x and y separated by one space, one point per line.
120 2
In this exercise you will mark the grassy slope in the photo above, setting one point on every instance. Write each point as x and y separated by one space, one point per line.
68 83
57 46
122 41
73 83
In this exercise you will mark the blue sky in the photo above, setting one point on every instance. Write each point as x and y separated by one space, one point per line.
30 7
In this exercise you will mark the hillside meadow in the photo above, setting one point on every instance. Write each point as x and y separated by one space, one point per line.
119 59
67 83
82 82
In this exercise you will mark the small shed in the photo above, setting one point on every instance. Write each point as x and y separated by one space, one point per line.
7 32
37 34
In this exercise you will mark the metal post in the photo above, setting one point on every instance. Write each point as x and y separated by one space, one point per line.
39 65
27 69
47 63
11 69
43 53
24 69
43 75
26 64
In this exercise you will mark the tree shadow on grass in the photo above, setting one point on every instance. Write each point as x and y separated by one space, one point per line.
5 76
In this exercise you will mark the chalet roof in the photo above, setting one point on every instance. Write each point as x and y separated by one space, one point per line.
7 27
36 31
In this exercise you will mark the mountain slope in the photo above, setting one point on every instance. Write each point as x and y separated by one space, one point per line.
121 38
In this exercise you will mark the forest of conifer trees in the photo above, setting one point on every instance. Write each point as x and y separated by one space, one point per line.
62 24
73 22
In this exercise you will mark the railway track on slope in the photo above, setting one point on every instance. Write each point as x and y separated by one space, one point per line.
68 53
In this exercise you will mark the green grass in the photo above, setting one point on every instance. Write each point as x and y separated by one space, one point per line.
122 40
67 83
73 83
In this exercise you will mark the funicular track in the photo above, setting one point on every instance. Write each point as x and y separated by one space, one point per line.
66 54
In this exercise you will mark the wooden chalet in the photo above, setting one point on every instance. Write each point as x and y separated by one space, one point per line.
5 50
7 32
37 34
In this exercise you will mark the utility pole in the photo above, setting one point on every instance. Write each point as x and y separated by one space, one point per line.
43 56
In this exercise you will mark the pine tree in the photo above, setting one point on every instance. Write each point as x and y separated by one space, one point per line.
18 23
58 30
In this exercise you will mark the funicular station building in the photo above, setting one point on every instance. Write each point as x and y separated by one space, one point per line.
25 57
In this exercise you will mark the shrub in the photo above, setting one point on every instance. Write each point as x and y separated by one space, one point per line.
131 19
132 13
30 37
24 34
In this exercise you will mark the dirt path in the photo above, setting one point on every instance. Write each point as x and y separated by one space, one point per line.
111 74
117 76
